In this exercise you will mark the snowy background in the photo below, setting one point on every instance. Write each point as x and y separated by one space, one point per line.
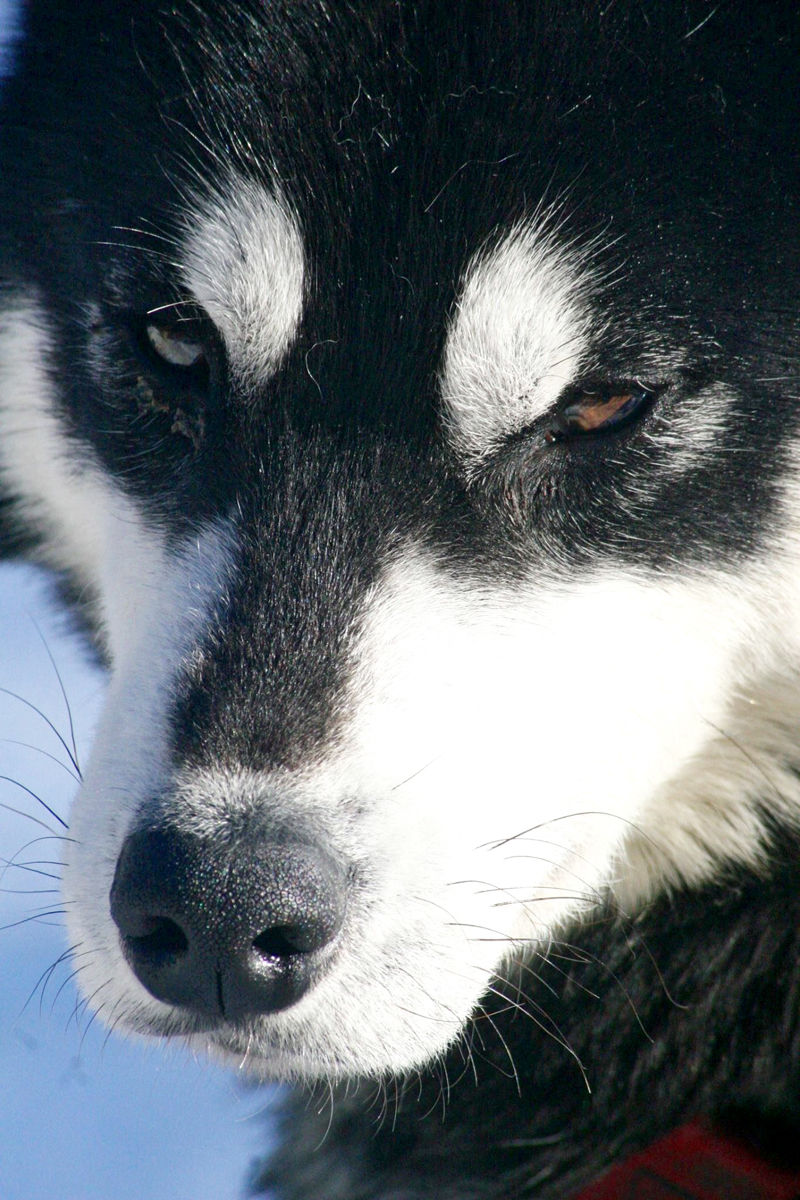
82 1116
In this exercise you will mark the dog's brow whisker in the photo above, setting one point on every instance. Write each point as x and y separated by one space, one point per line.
149 252
148 233
177 305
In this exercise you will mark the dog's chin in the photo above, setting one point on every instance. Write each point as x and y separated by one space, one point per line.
254 1055
288 1047
248 1046
254 1050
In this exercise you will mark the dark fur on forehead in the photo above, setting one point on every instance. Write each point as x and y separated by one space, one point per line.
428 122
424 108
405 137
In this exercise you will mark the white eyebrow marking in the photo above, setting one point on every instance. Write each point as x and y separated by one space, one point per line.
518 337
244 262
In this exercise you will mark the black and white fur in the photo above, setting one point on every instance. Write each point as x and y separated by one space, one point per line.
407 396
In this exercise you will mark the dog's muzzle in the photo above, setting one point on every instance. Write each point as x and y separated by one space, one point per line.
226 931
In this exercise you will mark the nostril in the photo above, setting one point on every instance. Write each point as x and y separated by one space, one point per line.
156 939
283 941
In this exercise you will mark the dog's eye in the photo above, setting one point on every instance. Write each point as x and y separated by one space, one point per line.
601 410
180 347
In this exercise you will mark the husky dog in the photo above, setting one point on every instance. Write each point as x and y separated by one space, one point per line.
406 395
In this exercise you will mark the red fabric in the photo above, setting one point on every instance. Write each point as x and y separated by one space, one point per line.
695 1163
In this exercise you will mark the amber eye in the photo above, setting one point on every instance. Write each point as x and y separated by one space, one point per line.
599 411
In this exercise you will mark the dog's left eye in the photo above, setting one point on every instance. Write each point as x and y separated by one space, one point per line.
179 346
602 410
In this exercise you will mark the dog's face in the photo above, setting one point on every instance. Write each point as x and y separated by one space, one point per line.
408 397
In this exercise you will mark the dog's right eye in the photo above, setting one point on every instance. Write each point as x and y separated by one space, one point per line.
602 409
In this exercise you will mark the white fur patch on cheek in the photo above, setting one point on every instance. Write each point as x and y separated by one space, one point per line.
244 262
523 735
517 339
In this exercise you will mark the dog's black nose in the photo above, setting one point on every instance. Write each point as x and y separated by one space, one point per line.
228 931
